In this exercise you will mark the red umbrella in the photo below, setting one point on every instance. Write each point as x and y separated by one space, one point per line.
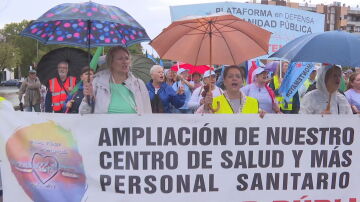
192 69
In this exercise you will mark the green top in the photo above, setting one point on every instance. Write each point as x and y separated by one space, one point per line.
342 86
122 100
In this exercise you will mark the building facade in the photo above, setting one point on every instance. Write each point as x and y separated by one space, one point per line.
337 16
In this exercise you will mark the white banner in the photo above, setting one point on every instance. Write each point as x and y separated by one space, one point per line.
179 158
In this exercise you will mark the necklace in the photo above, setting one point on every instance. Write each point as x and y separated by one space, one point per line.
113 79
232 105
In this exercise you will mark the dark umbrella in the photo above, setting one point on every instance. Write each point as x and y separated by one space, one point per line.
86 25
333 47
141 67
47 67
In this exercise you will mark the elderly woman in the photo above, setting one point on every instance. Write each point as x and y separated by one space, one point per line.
116 90
260 91
326 99
161 94
232 101
353 92
182 82
209 79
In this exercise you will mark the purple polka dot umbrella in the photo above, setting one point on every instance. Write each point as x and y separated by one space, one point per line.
86 25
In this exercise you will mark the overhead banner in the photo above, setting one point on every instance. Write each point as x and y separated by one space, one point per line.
192 158
284 22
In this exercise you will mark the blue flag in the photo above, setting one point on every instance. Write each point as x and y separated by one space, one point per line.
295 77
154 60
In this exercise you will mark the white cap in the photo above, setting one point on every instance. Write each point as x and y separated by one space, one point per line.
181 70
259 70
209 73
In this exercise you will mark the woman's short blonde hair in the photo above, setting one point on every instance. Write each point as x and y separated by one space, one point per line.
154 68
110 56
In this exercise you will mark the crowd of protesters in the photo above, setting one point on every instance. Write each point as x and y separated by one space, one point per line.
115 89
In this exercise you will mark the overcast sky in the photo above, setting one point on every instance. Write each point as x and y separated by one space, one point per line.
153 15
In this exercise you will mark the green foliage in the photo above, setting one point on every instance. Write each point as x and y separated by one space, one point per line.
26 46
8 56
135 49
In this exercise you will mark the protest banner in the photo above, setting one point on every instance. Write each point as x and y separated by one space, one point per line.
295 77
212 158
284 22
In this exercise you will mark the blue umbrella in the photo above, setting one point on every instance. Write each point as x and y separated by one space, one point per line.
86 25
333 47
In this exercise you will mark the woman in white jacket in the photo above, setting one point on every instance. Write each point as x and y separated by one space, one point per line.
326 99
196 99
116 90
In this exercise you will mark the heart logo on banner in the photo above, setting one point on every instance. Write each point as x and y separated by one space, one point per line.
44 167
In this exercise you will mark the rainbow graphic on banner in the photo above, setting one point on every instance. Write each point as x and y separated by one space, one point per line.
46 163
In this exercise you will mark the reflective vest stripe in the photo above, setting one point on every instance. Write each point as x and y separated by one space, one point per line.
251 105
58 93
276 82
307 83
59 103
52 88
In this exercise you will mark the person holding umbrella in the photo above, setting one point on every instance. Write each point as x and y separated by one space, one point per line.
59 88
209 80
116 90
326 99
232 101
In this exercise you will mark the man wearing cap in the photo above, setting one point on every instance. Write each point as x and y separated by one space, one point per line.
187 87
196 99
31 88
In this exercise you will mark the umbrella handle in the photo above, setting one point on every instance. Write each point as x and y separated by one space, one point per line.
328 105
91 102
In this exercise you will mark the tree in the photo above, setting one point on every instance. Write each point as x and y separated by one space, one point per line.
136 49
8 57
26 47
